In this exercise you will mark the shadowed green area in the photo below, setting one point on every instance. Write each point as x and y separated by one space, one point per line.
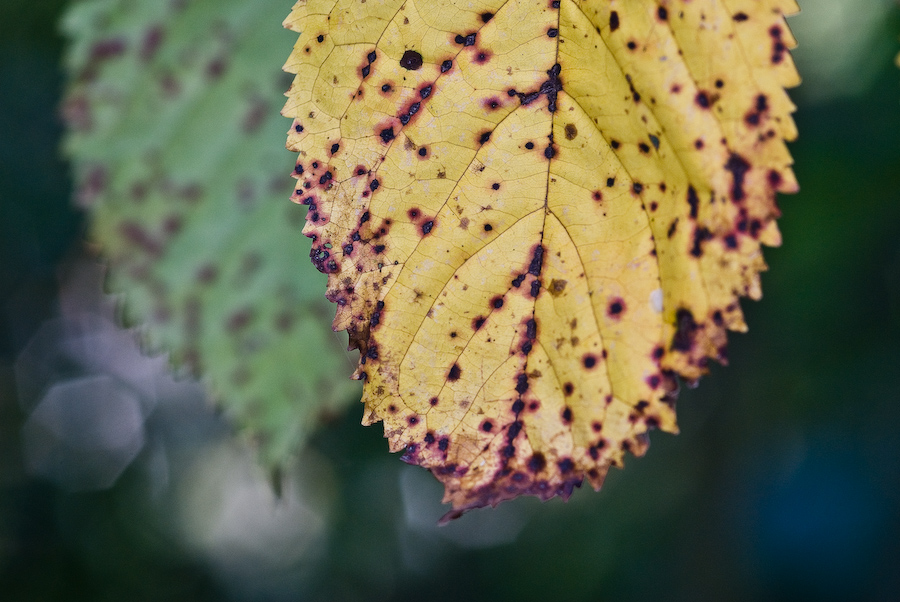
176 144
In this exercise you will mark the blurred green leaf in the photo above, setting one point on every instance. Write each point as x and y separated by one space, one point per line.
177 148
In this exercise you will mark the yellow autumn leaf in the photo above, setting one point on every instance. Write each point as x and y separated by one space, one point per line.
534 214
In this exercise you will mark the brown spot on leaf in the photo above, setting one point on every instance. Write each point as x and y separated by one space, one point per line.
482 57
411 60
255 116
738 166
613 21
686 327
138 236
207 274
537 462
492 103
537 261
615 308
454 373
703 100
693 201
701 235
238 320
557 286
151 42
466 40
778 46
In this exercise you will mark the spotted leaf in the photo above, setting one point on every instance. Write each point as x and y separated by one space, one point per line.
536 214
174 136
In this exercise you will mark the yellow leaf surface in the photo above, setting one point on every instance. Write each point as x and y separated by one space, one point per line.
534 214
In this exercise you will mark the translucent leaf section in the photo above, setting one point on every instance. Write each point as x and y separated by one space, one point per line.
534 222
174 136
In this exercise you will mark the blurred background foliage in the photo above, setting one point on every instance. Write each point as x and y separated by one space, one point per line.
783 485
177 153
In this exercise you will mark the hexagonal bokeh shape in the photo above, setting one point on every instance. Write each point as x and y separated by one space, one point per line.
84 433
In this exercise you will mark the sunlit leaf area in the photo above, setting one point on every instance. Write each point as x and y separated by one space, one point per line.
121 479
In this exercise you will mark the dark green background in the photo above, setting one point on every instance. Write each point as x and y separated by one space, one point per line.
783 485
